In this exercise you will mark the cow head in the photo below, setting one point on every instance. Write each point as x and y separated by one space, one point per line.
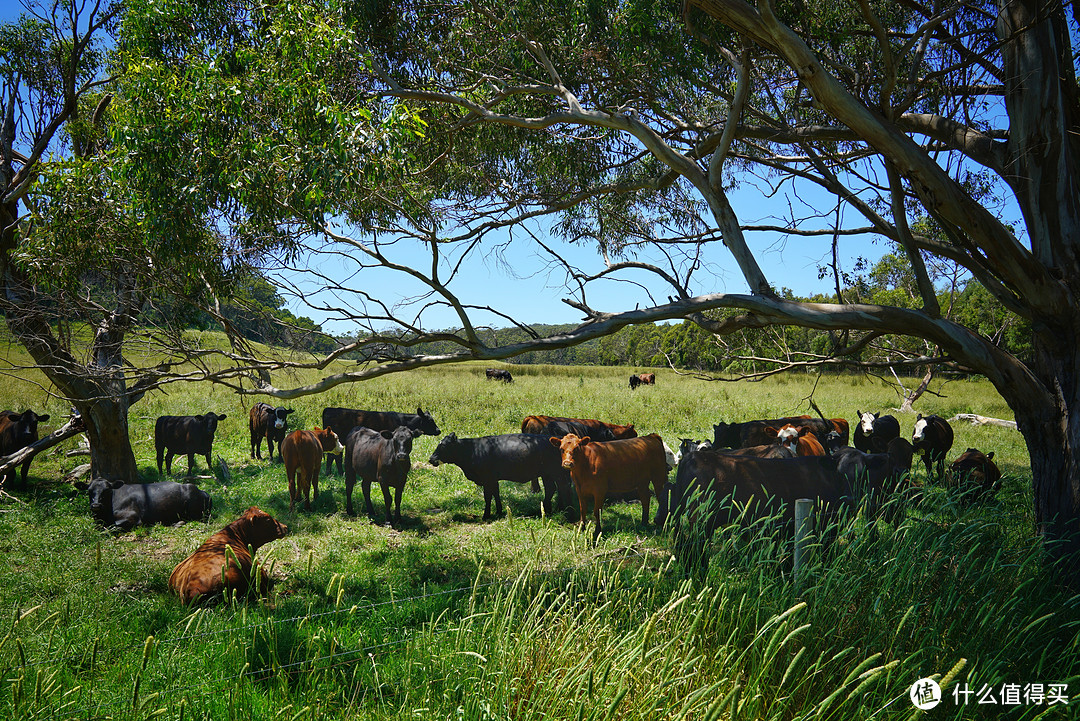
259 527
788 437
211 420
25 425
100 493
834 441
571 447
329 440
920 430
725 435
401 439
279 417
446 450
866 422
427 423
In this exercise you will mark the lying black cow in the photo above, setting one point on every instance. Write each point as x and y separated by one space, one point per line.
497 374
381 456
266 421
518 457
343 420
17 431
121 507
185 435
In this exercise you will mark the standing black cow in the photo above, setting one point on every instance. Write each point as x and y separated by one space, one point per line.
874 431
121 507
17 431
185 435
518 457
343 420
877 478
381 456
497 374
933 438
265 421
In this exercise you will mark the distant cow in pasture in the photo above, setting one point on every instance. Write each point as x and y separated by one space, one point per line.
498 374
17 431
517 457
185 435
598 468
874 431
933 438
557 427
378 456
977 470
754 433
302 453
121 506
343 420
266 421
635 381
642 379
223 564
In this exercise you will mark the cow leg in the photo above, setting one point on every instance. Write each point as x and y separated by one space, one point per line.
644 495
365 486
397 503
661 502
330 463
350 481
549 492
535 486
190 463
209 465
315 483
168 462
389 505
487 501
583 508
498 498
290 473
160 456
256 442
25 469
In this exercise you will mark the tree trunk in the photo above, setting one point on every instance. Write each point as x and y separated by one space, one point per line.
111 455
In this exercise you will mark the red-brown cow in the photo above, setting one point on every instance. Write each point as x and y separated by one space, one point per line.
977 469
557 427
599 467
223 564
302 452
800 440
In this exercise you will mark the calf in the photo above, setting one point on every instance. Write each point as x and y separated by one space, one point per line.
343 420
498 374
381 456
517 457
185 435
933 438
302 452
977 469
266 421
874 431
597 468
223 564
17 431
635 381
121 507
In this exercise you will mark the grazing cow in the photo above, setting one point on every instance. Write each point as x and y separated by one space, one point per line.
185 435
121 507
381 456
635 381
600 467
223 564
648 379
343 420
266 421
933 438
874 431
977 469
517 457
557 427
800 440
754 433
302 452
497 374
17 431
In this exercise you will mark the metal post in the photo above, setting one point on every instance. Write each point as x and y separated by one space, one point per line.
804 513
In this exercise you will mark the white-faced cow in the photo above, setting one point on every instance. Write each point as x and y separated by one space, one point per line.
874 431
381 456
933 438
17 431
185 435
266 421
343 420
121 506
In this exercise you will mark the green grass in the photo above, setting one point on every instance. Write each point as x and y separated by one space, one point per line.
452 617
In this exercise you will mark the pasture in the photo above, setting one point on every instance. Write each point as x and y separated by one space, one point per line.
453 617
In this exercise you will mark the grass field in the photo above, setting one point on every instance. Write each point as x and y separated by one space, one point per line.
453 617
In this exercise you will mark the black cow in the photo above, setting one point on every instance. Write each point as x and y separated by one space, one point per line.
121 507
635 381
185 435
518 457
381 456
343 420
933 438
496 374
266 421
877 477
756 433
874 431
17 431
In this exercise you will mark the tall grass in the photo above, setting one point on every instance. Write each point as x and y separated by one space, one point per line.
452 617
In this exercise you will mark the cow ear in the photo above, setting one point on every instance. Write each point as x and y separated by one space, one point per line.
222 417
803 430
115 484
858 413
771 431
919 418
288 411
451 436
990 456
417 433
386 434
585 441
630 427
43 418
557 442
80 486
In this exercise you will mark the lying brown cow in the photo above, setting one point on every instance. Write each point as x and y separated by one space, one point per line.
302 452
223 563
977 469
599 467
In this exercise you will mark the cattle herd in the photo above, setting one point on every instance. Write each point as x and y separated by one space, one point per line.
749 470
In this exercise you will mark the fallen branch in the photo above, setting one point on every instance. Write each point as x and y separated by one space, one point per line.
977 420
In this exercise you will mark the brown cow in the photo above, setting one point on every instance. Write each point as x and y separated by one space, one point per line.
800 440
977 469
557 427
17 431
599 467
302 452
223 564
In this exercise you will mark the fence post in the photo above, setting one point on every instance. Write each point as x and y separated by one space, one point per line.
804 513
